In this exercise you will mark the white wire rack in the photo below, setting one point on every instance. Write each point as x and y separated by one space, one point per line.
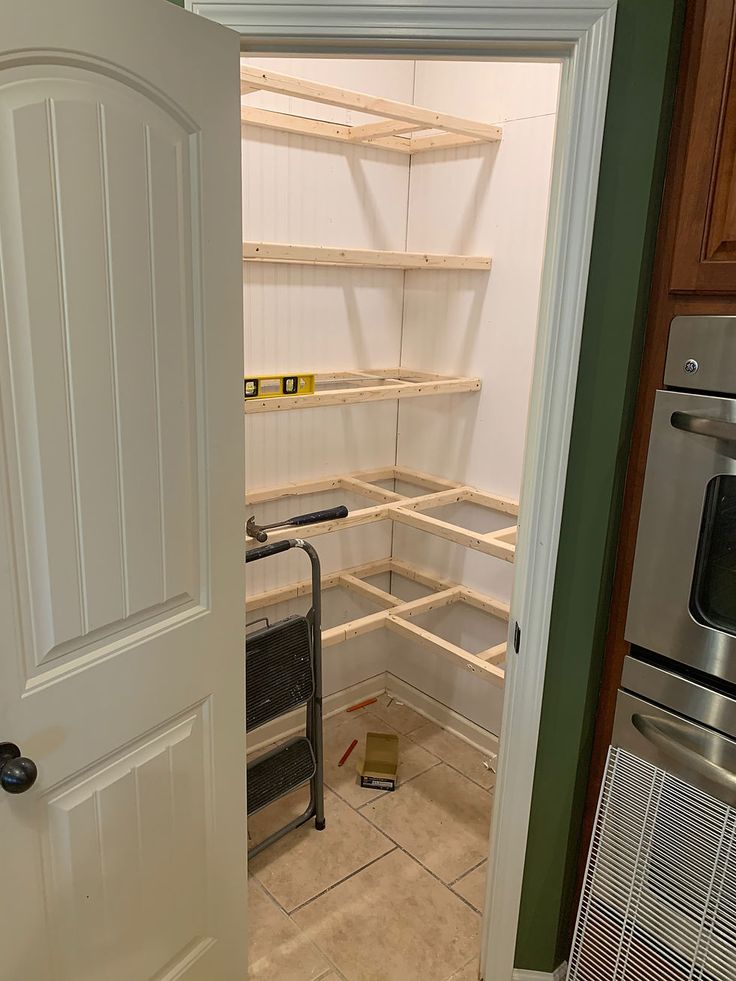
659 897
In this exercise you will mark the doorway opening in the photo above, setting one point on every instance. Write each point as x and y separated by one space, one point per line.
394 267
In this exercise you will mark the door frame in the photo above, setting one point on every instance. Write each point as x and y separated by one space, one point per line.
578 34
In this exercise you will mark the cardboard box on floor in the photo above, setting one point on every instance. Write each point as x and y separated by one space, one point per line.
380 764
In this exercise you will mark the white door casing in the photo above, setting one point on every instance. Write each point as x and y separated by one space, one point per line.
121 493
578 33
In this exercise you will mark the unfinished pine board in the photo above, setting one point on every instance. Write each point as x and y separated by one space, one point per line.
498 543
400 507
484 670
399 117
361 482
323 130
322 255
398 613
356 387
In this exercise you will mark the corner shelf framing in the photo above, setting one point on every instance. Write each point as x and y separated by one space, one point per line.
395 506
346 387
398 130
397 614
324 255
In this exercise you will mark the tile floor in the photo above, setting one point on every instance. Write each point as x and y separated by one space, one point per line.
393 888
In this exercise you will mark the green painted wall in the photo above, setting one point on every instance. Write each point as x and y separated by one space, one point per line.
638 119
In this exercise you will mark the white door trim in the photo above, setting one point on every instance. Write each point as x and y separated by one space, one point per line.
579 33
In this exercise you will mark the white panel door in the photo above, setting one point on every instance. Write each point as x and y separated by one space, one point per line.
121 494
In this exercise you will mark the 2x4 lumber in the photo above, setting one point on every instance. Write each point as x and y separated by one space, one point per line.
507 535
422 576
370 490
369 591
303 126
428 480
363 516
505 505
495 654
436 499
370 393
380 130
354 628
296 489
442 141
280 594
268 81
496 608
453 533
321 255
425 604
472 663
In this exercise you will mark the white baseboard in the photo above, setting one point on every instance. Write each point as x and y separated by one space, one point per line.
446 717
293 722
559 975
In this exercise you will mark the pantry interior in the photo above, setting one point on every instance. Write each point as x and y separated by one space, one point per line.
398 259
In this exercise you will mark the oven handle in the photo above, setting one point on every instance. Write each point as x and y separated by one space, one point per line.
672 738
704 426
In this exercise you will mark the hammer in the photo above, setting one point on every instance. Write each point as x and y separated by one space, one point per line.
260 532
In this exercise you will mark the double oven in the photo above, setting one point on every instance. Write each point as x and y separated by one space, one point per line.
659 898
677 704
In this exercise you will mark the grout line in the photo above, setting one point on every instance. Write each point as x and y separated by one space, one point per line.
474 867
345 878
488 790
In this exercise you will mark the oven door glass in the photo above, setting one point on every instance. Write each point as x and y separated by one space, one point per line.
713 600
683 589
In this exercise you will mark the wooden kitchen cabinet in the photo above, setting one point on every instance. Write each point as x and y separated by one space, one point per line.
704 258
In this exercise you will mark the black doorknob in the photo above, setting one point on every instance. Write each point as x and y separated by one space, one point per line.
17 774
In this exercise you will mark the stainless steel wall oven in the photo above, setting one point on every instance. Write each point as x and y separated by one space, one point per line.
683 593
659 896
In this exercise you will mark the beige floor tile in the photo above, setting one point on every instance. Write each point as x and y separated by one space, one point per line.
340 731
306 862
473 887
400 716
440 817
467 973
278 948
459 754
392 922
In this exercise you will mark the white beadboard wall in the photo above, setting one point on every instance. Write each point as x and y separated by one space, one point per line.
487 199
303 318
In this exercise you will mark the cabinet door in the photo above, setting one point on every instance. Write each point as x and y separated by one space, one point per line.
705 249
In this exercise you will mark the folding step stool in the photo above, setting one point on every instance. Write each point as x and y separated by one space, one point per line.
283 666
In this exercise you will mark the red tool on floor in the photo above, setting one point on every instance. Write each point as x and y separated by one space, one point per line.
360 705
348 751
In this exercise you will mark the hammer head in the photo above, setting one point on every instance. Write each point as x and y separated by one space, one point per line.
254 530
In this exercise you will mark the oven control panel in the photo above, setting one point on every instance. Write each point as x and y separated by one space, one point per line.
701 354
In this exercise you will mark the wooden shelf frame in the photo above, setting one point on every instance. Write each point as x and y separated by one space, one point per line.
394 506
397 131
367 386
501 543
398 613
324 255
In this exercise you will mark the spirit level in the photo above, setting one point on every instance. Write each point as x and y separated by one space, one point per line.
276 386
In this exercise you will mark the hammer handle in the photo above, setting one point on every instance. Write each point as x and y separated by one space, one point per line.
315 517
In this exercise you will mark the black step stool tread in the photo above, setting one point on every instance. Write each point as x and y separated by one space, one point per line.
279 670
279 771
